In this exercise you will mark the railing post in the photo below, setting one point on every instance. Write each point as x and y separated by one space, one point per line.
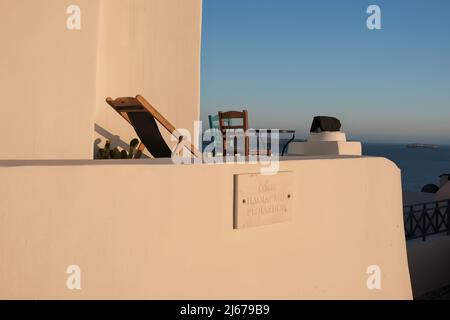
437 212
424 223
448 217
411 222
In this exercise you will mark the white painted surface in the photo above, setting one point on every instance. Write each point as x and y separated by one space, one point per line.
151 230
321 148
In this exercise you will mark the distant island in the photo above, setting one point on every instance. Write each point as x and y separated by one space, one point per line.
422 146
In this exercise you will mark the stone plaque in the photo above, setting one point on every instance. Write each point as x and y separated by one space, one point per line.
262 200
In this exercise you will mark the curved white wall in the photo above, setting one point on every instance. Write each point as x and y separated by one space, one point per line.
150 230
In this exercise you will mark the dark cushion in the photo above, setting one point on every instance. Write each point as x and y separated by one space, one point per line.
321 124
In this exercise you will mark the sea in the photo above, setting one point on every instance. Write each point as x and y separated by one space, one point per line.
419 166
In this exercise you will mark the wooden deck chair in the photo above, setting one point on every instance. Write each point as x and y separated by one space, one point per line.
140 114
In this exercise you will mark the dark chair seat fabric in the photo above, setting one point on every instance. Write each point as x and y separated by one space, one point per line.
148 131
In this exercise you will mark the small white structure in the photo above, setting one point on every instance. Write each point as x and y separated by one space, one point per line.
326 143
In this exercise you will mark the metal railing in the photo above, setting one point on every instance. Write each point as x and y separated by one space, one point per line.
427 219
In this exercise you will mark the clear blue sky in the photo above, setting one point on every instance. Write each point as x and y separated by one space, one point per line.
288 60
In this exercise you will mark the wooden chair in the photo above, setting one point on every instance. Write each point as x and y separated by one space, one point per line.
140 114
214 123
227 121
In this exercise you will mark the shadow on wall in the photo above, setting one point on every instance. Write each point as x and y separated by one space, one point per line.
429 266
115 140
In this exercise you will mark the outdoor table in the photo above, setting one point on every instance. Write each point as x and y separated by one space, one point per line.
269 142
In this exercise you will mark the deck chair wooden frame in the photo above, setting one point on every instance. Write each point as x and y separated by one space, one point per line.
126 105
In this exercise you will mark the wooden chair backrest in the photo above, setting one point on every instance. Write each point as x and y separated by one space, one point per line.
214 122
227 121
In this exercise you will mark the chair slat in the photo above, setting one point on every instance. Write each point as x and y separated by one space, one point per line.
124 102
232 115
225 127
130 109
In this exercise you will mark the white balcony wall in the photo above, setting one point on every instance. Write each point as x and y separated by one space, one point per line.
152 230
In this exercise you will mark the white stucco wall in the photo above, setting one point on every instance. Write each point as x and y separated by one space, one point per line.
150 230
54 81
47 80
153 49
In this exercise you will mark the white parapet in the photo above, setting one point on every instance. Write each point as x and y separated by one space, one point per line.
325 148
327 136
148 229
326 143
